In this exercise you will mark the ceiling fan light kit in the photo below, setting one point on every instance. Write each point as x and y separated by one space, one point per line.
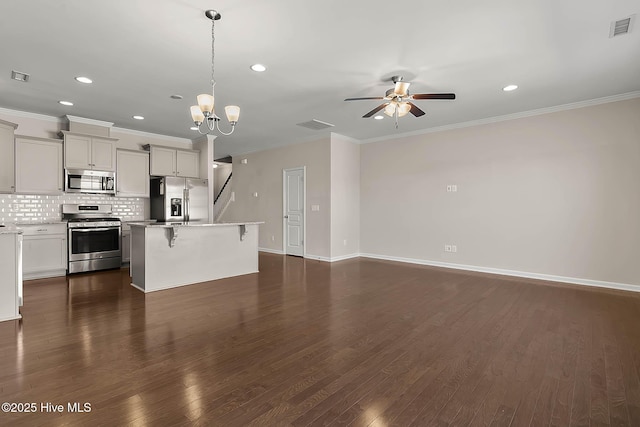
204 112
399 100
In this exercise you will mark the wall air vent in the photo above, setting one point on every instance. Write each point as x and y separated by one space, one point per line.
621 26
21 77
315 124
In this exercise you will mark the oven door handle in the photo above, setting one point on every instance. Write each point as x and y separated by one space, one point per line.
86 230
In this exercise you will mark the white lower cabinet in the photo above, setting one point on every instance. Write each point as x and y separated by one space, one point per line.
125 244
10 280
44 251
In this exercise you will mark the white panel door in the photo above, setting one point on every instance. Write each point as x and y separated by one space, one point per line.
188 164
77 152
38 165
7 178
132 177
163 161
294 211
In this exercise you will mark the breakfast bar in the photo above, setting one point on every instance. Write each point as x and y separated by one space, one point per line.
168 255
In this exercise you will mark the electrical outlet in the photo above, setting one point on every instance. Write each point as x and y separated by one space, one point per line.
447 248
273 238
454 189
454 248
344 242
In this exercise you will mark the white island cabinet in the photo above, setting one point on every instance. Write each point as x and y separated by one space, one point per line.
10 273
170 255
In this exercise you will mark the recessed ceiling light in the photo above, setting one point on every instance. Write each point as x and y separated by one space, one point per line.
378 117
176 96
86 80
67 103
193 128
510 88
138 117
258 68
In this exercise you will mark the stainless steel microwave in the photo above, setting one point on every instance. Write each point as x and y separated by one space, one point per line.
88 181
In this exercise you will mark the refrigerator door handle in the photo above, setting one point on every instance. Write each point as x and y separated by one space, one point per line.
185 195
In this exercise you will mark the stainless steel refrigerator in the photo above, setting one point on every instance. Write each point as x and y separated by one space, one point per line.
179 199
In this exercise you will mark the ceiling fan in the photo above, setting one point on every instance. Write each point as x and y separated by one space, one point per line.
398 100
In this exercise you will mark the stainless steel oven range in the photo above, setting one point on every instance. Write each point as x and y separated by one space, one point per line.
93 238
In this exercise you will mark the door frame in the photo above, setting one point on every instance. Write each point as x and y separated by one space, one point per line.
304 209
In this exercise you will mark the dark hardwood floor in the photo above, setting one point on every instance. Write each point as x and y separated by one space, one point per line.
358 342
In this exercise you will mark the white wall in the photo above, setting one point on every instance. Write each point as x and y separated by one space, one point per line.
345 196
263 174
555 194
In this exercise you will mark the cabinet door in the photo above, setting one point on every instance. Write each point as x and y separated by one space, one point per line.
126 246
77 152
7 178
132 177
103 154
38 166
43 253
163 161
188 164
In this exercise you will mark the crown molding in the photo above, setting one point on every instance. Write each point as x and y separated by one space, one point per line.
18 113
507 117
184 141
86 121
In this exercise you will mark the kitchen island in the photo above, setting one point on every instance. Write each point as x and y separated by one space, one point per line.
168 255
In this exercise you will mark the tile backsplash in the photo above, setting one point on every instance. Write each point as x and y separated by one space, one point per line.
27 208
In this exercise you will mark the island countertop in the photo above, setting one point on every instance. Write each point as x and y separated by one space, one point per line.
191 224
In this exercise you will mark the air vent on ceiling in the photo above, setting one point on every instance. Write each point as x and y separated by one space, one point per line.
21 77
315 124
621 26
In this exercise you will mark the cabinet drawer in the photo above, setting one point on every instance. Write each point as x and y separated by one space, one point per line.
43 229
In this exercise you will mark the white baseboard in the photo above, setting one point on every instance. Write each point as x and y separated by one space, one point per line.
43 274
271 251
331 259
514 273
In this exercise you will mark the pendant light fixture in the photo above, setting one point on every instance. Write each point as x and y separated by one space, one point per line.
204 112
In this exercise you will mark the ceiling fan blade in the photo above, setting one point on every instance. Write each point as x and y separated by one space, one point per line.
375 110
360 99
434 96
415 110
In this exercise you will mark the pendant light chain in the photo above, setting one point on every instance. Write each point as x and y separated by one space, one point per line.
213 57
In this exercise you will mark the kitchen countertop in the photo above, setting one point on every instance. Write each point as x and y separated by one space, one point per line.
191 224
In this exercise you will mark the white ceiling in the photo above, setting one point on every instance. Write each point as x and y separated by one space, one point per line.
139 52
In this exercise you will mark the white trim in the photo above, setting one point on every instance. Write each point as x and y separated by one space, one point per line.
17 113
5 319
506 117
271 251
343 257
524 274
329 259
184 141
137 287
86 121
317 257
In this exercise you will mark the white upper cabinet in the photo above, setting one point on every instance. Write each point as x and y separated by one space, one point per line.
188 164
89 152
7 177
38 165
171 162
132 175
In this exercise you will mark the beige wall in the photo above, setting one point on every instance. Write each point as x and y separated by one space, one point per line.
345 196
553 194
263 174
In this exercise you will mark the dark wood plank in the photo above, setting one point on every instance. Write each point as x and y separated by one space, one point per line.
359 342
